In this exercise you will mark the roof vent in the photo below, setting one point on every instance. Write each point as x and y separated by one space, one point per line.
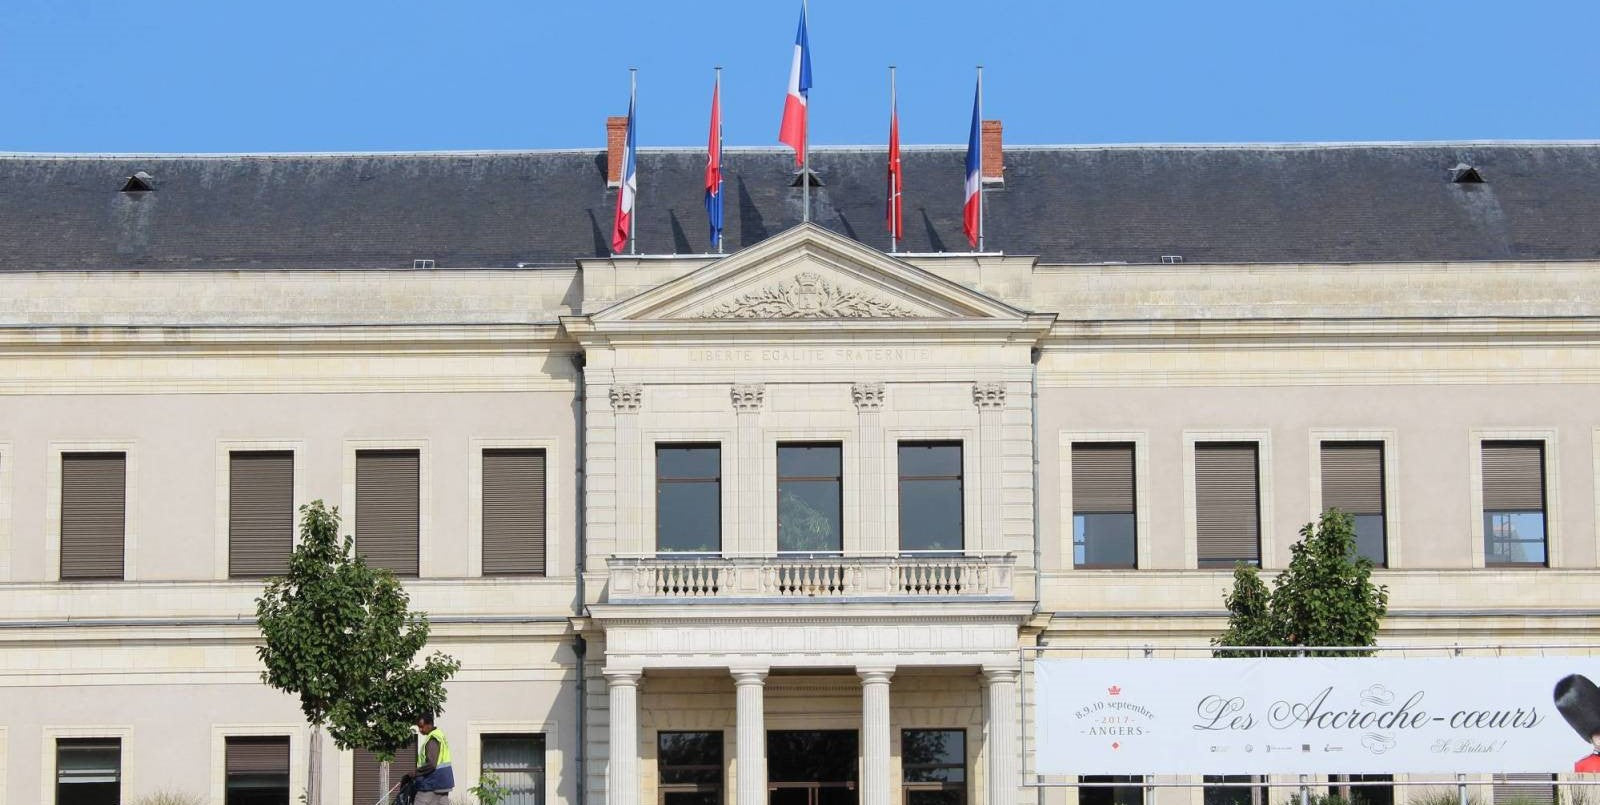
422 263
140 182
1171 259
1463 173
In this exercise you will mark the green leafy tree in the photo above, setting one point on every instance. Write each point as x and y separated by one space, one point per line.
339 634
1324 598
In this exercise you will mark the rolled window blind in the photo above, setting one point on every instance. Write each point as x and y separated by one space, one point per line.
93 511
263 755
1102 479
1227 504
1531 788
1513 476
260 513
388 513
1352 477
513 512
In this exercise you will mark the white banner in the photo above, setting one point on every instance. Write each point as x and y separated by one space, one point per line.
1312 715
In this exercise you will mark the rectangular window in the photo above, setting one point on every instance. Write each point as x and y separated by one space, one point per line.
258 771
1127 790
364 775
513 513
1227 504
1102 506
1352 482
688 498
388 508
690 767
518 763
88 771
260 513
810 498
931 508
1233 793
1513 503
1525 789
933 765
93 512
1379 788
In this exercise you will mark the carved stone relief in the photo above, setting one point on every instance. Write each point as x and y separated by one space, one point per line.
807 296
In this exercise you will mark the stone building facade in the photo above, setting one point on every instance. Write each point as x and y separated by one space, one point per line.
785 524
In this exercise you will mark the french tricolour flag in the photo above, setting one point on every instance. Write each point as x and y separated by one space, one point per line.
793 131
972 214
629 189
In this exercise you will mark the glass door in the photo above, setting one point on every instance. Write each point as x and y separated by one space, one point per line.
812 767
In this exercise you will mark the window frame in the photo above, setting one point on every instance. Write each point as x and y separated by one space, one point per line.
1194 442
298 735
1481 536
554 564
542 785
908 787
960 494
673 444
779 478
49 735
720 787
53 505
1133 448
224 475
424 448
1385 494
54 758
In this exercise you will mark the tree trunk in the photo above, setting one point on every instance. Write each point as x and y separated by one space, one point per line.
383 782
314 768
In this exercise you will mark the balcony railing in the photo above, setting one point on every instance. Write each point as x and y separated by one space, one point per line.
911 575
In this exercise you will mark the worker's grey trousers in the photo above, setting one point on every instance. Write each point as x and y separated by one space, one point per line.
432 798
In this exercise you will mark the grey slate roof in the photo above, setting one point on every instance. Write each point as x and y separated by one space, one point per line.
1072 204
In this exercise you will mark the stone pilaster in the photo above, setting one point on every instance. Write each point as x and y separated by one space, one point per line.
750 736
622 765
1001 723
990 398
872 467
875 735
747 531
631 535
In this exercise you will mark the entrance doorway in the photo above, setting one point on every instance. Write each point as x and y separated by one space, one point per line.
812 767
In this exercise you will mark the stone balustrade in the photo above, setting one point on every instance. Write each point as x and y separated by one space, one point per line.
663 578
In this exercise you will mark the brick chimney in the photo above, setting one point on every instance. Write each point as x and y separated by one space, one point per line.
994 166
616 140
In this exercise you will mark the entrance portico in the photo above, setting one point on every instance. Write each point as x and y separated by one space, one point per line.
841 674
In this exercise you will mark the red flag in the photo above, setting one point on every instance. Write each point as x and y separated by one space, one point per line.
895 213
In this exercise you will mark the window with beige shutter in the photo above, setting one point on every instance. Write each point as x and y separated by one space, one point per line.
1352 482
1102 505
1513 503
93 515
514 512
1227 503
260 513
388 508
257 769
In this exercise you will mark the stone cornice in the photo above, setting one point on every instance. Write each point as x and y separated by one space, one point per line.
1069 334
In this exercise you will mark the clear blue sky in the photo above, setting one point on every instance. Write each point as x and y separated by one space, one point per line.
297 75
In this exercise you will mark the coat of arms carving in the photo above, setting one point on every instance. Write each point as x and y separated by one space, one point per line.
808 296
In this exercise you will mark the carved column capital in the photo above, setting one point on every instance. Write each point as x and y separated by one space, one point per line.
626 398
989 395
867 396
749 396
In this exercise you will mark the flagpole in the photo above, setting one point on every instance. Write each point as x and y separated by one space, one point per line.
805 161
633 97
981 205
894 194
723 200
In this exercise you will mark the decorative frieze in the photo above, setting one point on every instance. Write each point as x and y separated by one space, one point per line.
867 396
807 296
989 395
626 398
749 396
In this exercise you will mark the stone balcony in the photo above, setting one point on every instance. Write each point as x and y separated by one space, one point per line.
663 579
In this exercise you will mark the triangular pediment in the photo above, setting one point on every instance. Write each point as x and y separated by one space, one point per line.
808 273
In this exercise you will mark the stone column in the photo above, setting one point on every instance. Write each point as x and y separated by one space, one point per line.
875 735
751 736
1005 762
622 767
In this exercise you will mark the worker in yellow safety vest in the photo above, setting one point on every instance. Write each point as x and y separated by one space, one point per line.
433 778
